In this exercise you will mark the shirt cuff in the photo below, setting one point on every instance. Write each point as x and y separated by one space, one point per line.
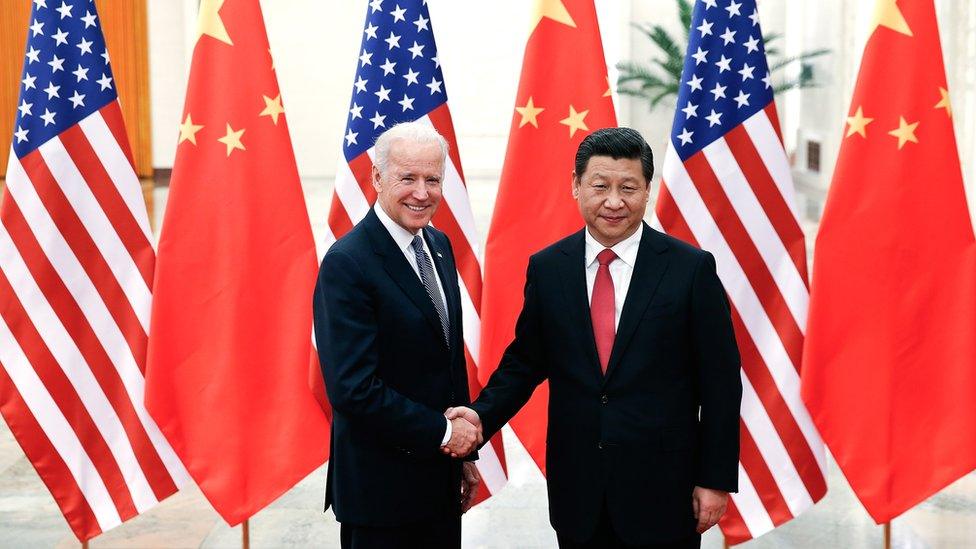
447 433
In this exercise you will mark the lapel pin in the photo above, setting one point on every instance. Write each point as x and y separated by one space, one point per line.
439 255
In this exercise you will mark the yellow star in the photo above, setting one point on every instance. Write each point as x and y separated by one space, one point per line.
529 113
272 108
210 22
905 132
188 130
887 14
232 140
857 123
553 9
575 121
944 102
609 92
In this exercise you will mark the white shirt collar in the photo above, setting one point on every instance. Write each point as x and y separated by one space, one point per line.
626 249
401 236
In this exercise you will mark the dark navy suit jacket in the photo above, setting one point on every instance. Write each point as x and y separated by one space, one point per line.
389 376
664 418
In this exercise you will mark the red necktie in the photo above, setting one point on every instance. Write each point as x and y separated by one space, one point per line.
603 308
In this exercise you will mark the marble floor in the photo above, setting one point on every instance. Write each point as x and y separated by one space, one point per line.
517 517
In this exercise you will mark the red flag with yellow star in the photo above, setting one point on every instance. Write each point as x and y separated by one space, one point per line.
227 374
563 95
890 357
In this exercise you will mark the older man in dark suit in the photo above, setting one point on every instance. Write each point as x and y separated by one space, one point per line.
387 312
633 331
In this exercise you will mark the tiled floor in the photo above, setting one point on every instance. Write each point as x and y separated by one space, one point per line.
515 518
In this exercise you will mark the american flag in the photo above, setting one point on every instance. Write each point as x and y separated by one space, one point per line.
727 188
76 272
399 79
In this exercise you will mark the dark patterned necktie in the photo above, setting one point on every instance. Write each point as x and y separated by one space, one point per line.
430 283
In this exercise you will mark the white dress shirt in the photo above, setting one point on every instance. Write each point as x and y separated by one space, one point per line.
621 269
403 239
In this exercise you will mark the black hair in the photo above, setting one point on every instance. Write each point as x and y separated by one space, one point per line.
616 143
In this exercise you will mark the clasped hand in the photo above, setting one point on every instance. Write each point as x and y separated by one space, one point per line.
465 432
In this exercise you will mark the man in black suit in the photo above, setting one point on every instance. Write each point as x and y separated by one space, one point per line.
632 329
387 312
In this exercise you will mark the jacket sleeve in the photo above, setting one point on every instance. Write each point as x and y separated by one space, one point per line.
346 335
720 386
521 369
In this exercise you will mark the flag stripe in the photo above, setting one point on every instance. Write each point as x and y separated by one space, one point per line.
763 237
43 406
733 527
771 201
361 168
773 155
54 381
758 376
40 451
81 206
103 130
688 204
111 114
339 222
746 256
779 412
351 195
753 462
72 363
750 506
50 210
788 481
39 405
110 201
94 355
782 393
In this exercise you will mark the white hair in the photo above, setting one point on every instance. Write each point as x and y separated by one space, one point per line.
416 132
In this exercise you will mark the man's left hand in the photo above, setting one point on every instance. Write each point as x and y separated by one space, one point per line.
709 506
470 480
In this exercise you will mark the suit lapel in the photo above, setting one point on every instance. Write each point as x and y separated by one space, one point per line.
400 271
578 305
649 267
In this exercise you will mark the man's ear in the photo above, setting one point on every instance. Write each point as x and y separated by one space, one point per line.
576 186
377 177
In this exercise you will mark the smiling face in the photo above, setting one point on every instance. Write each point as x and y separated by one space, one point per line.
409 189
612 195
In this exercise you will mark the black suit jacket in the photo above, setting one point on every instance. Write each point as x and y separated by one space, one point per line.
389 375
664 418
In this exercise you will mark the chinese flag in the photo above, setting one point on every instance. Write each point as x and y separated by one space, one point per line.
889 371
563 95
227 374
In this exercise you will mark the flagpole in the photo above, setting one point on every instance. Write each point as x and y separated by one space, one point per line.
245 535
84 544
887 535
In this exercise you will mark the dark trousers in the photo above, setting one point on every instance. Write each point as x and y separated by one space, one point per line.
606 537
437 533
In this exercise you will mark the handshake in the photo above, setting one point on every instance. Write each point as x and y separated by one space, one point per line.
466 432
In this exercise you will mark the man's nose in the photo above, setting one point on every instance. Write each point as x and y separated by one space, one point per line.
614 201
421 192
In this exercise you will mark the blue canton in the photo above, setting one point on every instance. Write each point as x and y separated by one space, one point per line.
399 78
66 73
725 79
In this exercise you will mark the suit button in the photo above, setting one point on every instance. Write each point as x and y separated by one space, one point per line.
604 399
599 445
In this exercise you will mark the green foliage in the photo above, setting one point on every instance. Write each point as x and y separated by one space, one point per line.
660 79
